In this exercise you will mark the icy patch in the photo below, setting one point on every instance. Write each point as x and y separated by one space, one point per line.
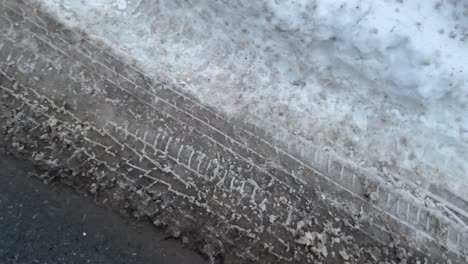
380 83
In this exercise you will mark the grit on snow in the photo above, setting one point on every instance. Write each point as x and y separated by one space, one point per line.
383 84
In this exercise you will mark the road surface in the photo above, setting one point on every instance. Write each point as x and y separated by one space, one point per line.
52 224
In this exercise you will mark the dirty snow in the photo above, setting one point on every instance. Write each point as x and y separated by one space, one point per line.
380 83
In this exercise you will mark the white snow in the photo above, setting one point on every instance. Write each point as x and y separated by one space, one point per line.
381 83
121 4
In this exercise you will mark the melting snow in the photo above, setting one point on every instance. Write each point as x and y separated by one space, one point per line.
381 83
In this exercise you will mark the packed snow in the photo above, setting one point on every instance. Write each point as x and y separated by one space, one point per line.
382 83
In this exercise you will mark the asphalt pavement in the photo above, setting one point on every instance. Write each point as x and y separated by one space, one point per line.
50 224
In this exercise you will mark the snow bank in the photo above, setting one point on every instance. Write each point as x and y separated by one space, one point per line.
381 83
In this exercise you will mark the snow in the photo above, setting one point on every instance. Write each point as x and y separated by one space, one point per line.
382 84
121 4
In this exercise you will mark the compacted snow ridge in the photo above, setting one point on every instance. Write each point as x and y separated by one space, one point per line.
382 84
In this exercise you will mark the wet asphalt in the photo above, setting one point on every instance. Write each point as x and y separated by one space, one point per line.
50 224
